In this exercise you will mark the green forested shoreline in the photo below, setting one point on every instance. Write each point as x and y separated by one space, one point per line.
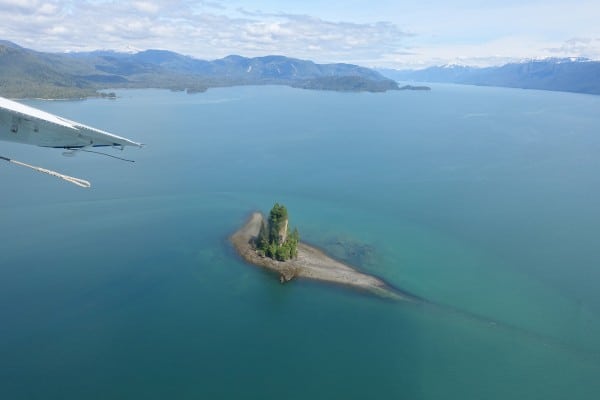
26 73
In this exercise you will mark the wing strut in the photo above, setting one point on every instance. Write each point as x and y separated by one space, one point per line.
79 182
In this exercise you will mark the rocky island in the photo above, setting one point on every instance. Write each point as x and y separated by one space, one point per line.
411 87
269 244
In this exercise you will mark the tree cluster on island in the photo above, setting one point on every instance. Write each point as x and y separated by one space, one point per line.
274 239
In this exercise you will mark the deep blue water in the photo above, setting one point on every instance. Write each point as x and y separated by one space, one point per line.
484 201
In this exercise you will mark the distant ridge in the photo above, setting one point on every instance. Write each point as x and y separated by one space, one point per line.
29 73
579 75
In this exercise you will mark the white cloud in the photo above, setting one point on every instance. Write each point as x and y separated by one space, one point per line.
146 7
578 47
23 4
47 9
492 52
202 29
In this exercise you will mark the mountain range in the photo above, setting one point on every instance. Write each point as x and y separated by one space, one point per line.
578 75
28 73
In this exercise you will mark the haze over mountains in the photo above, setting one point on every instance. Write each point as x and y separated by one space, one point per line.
29 73
578 75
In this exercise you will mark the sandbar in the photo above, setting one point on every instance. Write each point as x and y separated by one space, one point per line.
311 263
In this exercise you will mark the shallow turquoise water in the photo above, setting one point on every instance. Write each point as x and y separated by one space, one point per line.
481 200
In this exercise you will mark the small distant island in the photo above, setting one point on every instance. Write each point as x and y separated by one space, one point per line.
411 87
270 244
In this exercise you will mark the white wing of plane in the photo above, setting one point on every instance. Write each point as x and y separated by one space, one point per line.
23 124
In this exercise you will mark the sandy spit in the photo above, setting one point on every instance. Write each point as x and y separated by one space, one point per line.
311 263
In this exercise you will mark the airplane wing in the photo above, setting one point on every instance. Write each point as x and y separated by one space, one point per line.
23 124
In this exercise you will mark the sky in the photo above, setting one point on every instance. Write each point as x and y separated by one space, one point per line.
373 33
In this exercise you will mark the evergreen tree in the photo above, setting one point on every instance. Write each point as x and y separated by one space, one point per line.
262 241
277 218
268 240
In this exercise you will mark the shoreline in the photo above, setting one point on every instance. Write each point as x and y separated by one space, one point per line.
311 263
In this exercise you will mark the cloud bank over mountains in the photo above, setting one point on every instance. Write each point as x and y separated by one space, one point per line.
201 30
371 33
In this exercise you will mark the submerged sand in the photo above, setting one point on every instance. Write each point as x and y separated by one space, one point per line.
311 263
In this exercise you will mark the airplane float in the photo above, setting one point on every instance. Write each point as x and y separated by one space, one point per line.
24 124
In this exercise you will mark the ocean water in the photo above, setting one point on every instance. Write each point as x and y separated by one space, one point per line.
482 201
